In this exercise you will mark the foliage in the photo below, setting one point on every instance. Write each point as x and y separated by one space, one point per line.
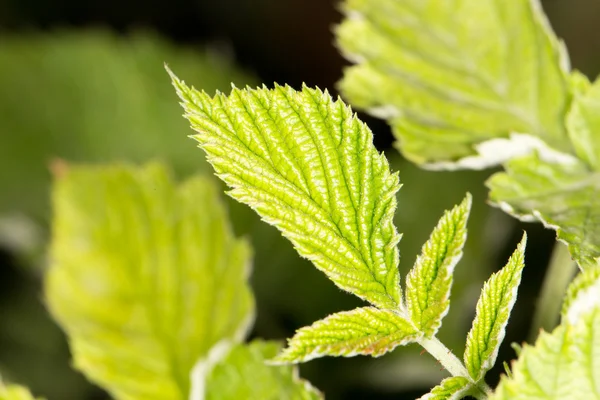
150 283
464 93
308 166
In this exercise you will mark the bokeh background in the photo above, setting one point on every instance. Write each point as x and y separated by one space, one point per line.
84 81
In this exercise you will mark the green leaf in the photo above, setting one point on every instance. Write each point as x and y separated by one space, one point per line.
14 392
450 75
366 331
493 309
452 388
308 166
146 276
562 365
428 283
583 124
564 196
243 374
583 294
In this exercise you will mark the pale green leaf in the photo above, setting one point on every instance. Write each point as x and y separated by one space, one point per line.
428 283
583 124
562 365
14 392
493 310
453 388
243 374
564 196
449 75
308 166
583 294
366 331
146 276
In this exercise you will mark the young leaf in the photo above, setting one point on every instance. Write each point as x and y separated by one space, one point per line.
493 309
146 277
448 75
562 365
453 388
238 374
583 294
583 124
561 195
366 331
428 283
308 166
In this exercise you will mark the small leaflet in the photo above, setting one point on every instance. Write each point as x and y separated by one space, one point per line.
365 331
428 284
307 165
453 388
493 310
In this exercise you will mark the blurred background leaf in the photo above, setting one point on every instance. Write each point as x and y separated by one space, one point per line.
89 94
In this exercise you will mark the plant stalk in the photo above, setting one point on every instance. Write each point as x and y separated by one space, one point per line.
453 364
560 272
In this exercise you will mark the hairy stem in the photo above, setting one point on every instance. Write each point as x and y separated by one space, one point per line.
559 275
452 364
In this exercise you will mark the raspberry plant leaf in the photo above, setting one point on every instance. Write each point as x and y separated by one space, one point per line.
449 75
493 310
237 375
366 331
562 364
561 195
582 295
307 165
428 283
146 277
453 388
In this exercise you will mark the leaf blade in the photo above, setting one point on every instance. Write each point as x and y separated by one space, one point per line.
446 83
561 364
235 376
366 331
429 282
141 275
563 196
493 310
308 166
452 388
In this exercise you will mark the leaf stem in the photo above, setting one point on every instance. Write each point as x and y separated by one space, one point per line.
453 364
559 275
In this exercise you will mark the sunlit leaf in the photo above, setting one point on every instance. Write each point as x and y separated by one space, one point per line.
243 374
562 364
146 276
453 388
583 294
564 196
366 331
450 75
428 283
493 310
308 166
